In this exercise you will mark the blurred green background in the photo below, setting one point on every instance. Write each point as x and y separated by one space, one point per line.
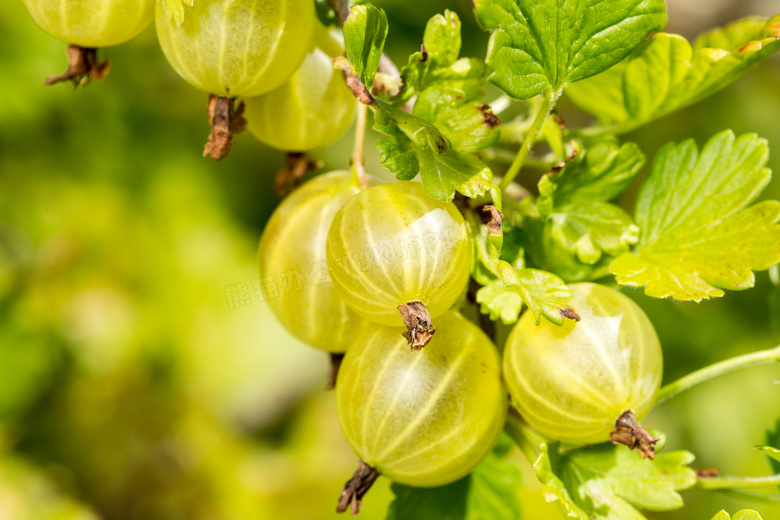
131 388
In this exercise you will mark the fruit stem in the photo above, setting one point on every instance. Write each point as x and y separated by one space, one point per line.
335 364
289 177
225 119
356 161
737 482
548 101
718 369
356 487
83 66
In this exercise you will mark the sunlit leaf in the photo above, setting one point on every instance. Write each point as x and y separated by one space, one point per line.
667 73
696 237
537 45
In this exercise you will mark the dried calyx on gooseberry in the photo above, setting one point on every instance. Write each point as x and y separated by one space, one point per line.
393 248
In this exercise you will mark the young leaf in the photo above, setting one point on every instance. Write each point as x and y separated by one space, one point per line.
174 10
437 64
544 293
667 74
537 45
488 492
365 31
745 514
414 146
500 302
469 126
546 251
573 201
696 236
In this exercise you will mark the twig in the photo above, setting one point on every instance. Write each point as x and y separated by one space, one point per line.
357 159
718 369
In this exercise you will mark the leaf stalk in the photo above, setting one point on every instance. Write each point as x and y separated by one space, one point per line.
716 370
548 101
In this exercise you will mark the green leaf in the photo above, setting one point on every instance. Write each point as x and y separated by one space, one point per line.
439 67
576 232
442 39
696 237
745 514
546 252
607 482
365 31
500 302
469 126
415 146
544 293
599 174
667 73
536 45
573 202
174 10
489 492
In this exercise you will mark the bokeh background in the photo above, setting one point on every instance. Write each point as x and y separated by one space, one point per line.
140 379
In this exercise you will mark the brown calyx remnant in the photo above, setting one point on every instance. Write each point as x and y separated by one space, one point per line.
83 67
629 433
289 177
355 488
417 319
333 374
568 312
225 119
496 219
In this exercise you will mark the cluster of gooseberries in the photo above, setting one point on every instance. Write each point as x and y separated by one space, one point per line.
426 416
395 262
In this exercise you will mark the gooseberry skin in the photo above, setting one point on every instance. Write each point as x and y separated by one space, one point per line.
238 47
422 418
293 244
92 23
572 382
392 244
311 110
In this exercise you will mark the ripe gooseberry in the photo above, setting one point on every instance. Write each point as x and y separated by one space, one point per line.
87 25
292 254
392 244
312 109
92 23
237 47
422 418
573 382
